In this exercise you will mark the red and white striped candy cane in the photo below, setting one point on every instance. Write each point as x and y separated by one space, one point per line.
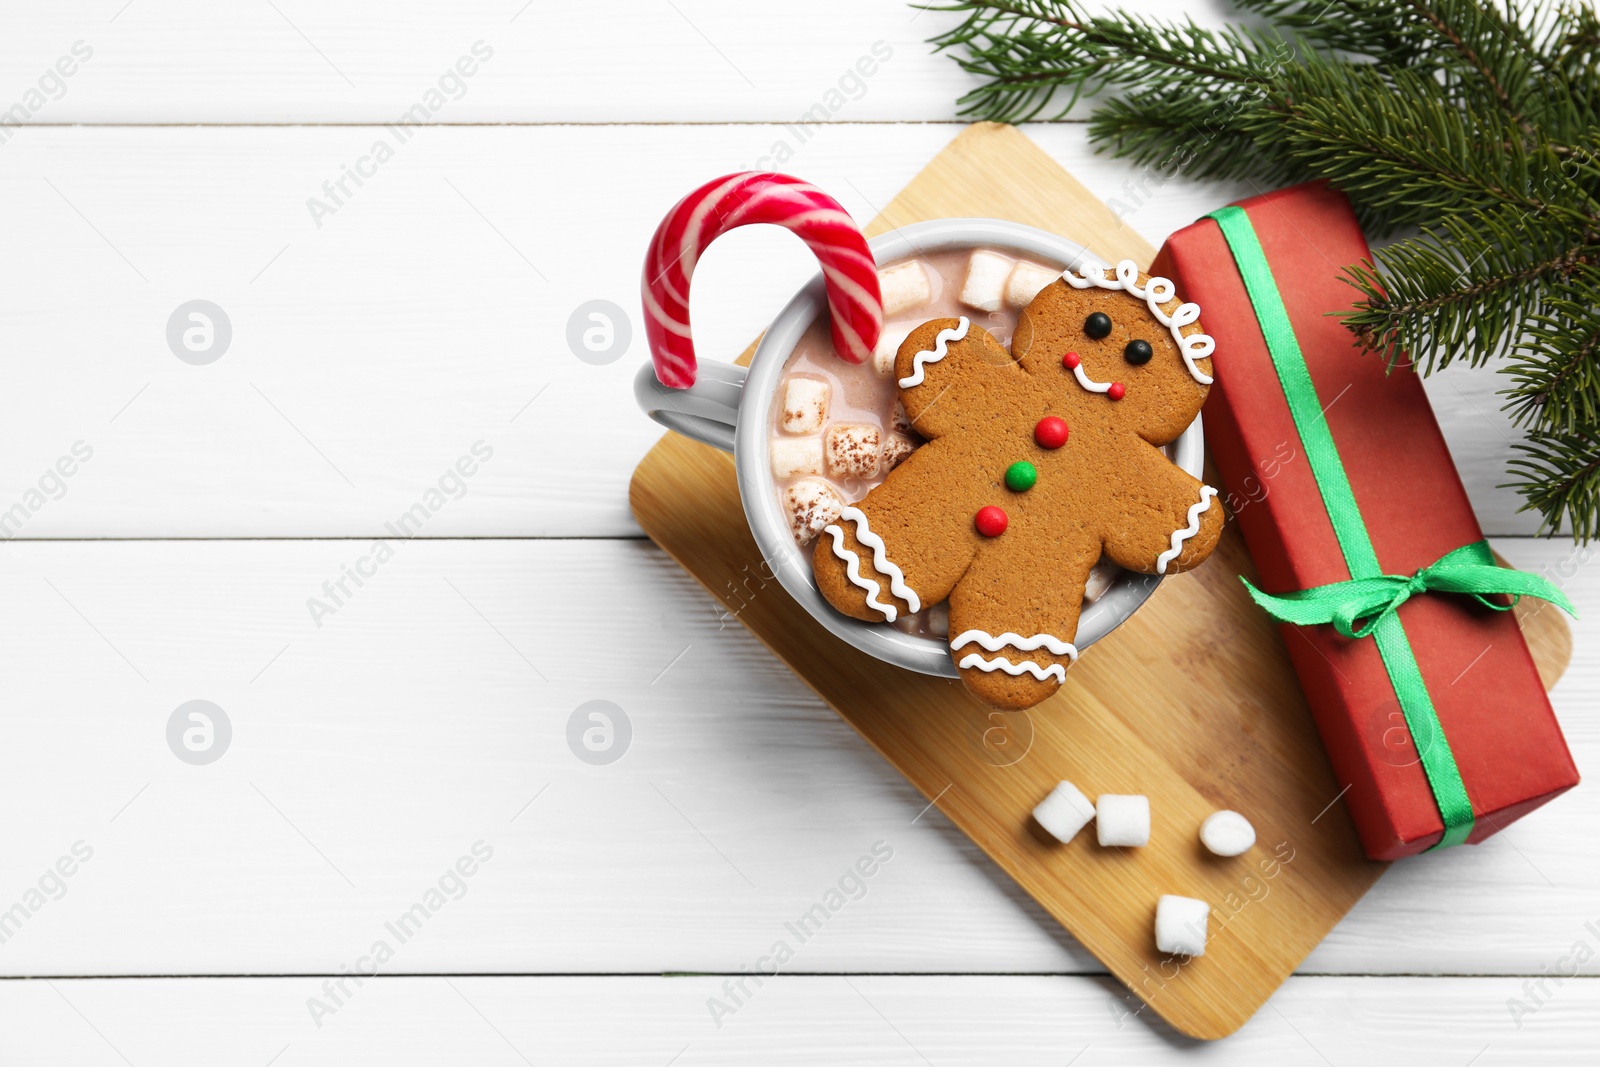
855 303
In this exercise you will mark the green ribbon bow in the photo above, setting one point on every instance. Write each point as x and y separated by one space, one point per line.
1356 607
1367 604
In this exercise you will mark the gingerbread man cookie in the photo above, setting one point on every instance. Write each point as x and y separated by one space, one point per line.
1039 461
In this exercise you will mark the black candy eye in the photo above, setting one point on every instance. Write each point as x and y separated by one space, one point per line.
1097 325
1138 353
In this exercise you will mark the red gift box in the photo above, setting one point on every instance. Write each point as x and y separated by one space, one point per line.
1487 693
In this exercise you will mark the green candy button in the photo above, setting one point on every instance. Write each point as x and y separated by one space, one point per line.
1021 476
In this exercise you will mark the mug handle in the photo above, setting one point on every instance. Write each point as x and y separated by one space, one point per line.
707 411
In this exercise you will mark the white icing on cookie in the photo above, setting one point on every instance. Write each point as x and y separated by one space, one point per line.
1088 382
852 566
1027 666
1017 641
1180 536
941 346
1159 291
880 560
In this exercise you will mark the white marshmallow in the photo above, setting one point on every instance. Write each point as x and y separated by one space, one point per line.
1026 282
900 422
851 450
811 504
1100 578
1122 820
805 405
889 342
796 455
1065 811
1227 833
904 286
1181 925
896 447
985 285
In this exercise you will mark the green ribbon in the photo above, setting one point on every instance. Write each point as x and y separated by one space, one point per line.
1356 607
1368 603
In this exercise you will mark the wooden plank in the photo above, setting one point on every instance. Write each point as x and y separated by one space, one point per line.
793 1019
187 61
1130 718
381 346
405 729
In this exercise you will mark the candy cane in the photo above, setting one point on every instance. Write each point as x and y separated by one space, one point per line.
855 304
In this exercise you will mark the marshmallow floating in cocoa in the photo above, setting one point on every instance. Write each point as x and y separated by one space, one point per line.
851 450
811 504
896 447
889 342
1026 282
796 455
985 284
905 286
805 405
1099 581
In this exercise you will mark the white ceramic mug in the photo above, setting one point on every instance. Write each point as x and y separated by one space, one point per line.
729 408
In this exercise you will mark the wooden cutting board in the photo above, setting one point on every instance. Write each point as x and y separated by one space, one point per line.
1191 702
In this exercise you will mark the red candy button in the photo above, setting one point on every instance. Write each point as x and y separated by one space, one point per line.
1051 432
1116 391
990 521
1071 360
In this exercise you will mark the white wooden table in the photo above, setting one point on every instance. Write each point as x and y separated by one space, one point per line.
423 712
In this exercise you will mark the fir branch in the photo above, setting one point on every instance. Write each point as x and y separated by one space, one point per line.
1464 289
1560 479
1213 139
1555 366
1031 52
1575 59
1365 28
1415 155
1465 45
1467 30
